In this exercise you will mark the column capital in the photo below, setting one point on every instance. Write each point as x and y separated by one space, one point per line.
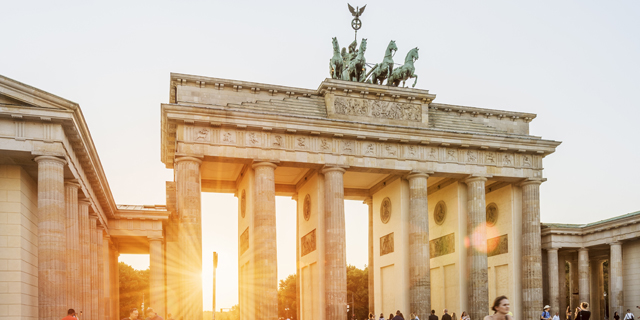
553 249
72 183
295 197
273 164
187 158
155 238
84 202
368 201
474 178
334 168
531 181
418 174
615 243
50 158
583 249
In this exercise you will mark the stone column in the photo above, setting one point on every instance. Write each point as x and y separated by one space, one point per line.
335 272
478 299
116 284
299 210
100 256
187 173
156 276
616 294
93 221
583 275
419 258
266 257
575 283
531 250
108 272
52 270
370 268
595 294
554 290
562 276
85 257
73 244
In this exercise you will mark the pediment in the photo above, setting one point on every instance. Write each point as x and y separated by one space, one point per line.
15 93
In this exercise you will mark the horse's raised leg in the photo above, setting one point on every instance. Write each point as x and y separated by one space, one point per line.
414 83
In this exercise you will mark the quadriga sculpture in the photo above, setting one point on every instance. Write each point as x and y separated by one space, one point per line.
406 71
336 64
355 70
381 71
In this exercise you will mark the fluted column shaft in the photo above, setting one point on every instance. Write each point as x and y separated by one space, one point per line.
478 299
531 251
190 235
419 259
615 282
156 277
100 256
73 244
554 290
370 268
85 258
266 254
93 221
335 245
106 254
595 293
52 270
583 274
562 276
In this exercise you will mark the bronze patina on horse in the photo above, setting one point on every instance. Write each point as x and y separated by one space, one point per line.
406 71
381 71
336 64
355 70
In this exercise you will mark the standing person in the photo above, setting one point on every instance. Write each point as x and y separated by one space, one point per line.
71 315
133 314
556 316
568 315
433 316
371 316
500 308
616 316
382 317
390 316
582 312
398 316
545 313
446 315
453 316
629 315
152 315
464 316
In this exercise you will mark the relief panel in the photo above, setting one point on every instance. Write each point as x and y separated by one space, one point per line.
308 243
378 109
244 241
443 245
386 244
497 245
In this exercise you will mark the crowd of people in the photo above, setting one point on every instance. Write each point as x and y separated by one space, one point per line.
133 315
500 308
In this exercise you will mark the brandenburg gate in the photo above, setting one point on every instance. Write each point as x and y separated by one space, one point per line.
453 194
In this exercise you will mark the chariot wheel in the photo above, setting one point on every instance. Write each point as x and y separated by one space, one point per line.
356 24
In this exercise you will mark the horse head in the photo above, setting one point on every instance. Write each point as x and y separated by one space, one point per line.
336 47
363 45
392 48
412 56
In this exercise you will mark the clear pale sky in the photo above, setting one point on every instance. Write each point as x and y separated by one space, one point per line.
573 63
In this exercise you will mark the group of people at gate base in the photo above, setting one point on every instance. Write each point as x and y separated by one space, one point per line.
501 312
133 315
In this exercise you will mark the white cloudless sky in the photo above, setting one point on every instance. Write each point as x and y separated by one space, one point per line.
573 63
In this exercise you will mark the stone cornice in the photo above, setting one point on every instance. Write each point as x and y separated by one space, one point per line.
482 112
218 117
33 96
342 87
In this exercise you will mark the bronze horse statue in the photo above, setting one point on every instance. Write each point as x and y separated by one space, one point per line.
336 64
406 71
355 70
381 71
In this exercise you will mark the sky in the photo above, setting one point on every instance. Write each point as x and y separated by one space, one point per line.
573 63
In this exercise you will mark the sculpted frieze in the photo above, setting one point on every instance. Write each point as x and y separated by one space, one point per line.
497 245
308 243
360 147
443 245
378 109
244 241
